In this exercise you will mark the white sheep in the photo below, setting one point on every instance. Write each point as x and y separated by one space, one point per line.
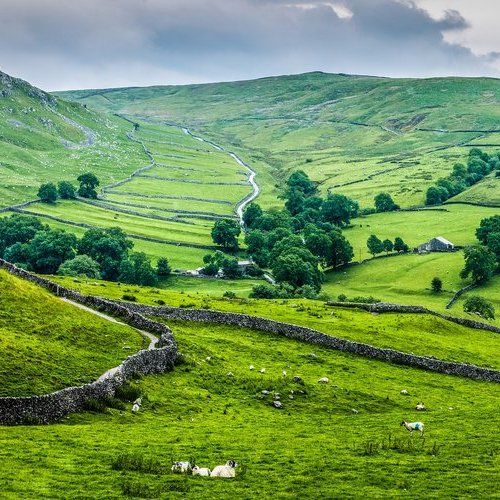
225 470
181 467
284 373
420 407
135 408
323 380
413 426
262 370
138 401
201 471
252 367
404 392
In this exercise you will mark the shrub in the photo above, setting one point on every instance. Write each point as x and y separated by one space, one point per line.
127 392
66 190
264 292
81 265
163 267
342 297
138 463
481 307
436 284
229 294
130 298
160 302
48 192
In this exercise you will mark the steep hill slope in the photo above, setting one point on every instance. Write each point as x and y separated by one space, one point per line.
359 135
44 138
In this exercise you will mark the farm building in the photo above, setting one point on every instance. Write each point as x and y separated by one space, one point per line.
438 244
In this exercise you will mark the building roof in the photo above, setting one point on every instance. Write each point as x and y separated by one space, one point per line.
443 240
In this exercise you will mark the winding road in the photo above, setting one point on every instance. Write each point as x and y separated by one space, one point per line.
240 207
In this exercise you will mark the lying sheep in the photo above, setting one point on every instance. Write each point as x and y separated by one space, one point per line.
262 370
227 470
323 380
420 407
201 471
136 408
181 467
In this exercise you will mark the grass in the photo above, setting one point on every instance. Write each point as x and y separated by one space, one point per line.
406 279
47 344
421 334
315 446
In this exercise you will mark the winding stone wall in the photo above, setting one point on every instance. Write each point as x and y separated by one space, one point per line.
315 337
51 407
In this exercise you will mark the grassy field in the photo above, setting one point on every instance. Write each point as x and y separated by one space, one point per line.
315 446
398 135
421 334
458 224
47 344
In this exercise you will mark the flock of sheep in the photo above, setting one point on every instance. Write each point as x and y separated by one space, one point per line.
227 470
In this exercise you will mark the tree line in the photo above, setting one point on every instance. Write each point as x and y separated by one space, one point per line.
49 192
100 253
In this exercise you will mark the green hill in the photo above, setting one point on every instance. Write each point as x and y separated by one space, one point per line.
47 344
358 135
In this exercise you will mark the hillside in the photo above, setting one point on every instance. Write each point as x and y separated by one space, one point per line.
357 135
47 344
44 138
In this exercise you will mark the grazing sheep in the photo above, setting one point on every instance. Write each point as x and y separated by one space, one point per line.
208 358
225 470
404 392
354 411
262 370
252 367
138 401
277 404
284 373
201 471
413 426
420 407
323 380
135 408
181 467
230 374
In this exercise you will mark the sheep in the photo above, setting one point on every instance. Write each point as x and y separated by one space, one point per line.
404 392
252 367
420 407
225 470
208 358
138 401
181 467
262 370
413 426
201 471
323 380
135 408
284 373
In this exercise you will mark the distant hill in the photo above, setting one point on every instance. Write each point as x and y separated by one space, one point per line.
355 134
45 138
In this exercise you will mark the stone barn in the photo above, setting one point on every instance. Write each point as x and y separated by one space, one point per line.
438 244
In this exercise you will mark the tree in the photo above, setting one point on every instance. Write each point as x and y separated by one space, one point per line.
251 214
18 253
387 246
81 265
493 243
49 249
48 192
400 245
264 292
341 251
163 268
481 307
225 233
384 203
374 245
319 244
137 270
299 181
480 263
436 284
256 240
295 201
487 226
18 229
230 268
339 209
436 195
66 190
88 183
459 171
108 247
293 269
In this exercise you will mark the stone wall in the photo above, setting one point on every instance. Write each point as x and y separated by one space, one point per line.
51 407
315 337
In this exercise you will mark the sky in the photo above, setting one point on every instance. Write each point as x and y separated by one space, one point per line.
68 44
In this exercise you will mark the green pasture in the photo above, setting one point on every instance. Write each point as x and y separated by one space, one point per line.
315 446
47 344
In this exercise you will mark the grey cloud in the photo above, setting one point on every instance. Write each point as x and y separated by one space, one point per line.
97 43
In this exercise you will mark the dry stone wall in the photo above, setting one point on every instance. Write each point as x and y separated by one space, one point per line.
315 337
51 407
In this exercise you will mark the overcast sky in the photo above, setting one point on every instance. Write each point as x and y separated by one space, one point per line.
69 44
